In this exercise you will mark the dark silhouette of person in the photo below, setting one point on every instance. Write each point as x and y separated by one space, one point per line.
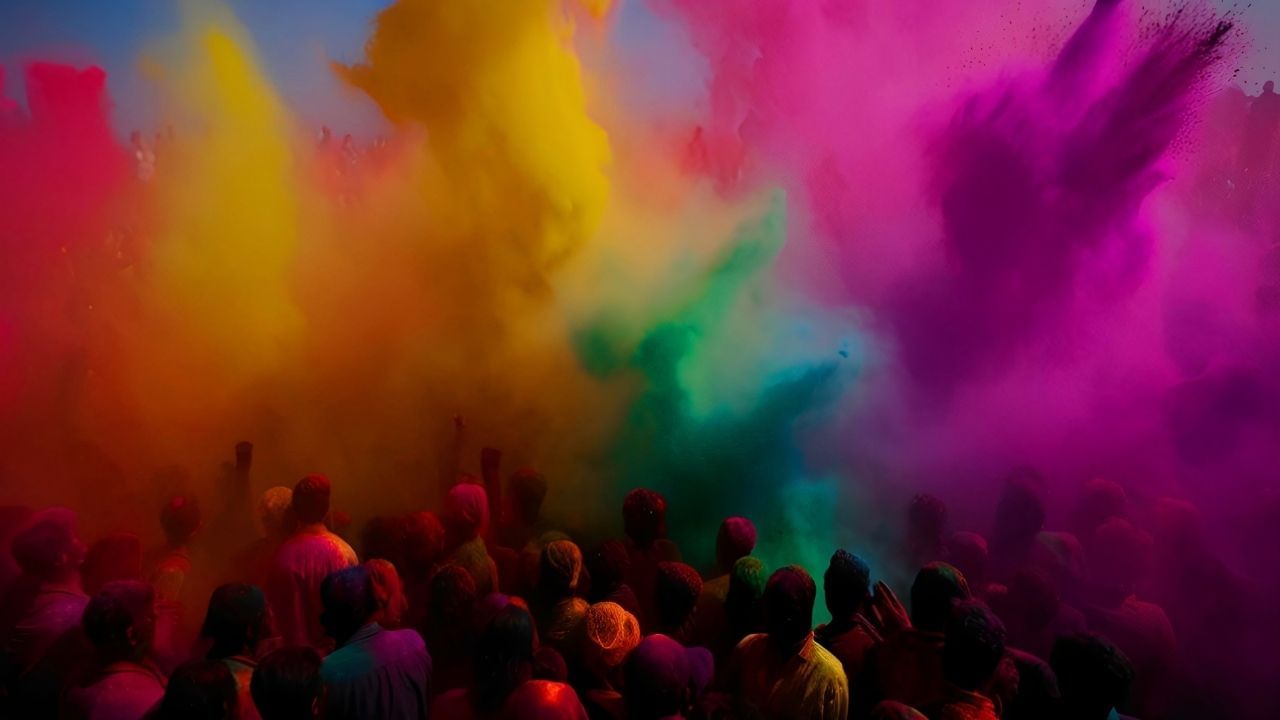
847 589
286 685
373 672
199 690
1094 676
235 625
1257 147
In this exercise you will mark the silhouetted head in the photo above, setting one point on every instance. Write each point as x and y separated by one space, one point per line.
974 645
1093 675
236 621
382 537
1178 528
388 592
423 545
348 601
1269 87
736 539
1020 511
115 557
742 606
644 516
200 690
676 590
657 679
1118 554
926 518
49 549
180 519
275 512
846 585
286 685
559 568
608 565
120 621
310 500
452 598
503 657
788 607
546 700
611 634
528 489
1100 500
562 628
937 587
466 511
968 552
549 664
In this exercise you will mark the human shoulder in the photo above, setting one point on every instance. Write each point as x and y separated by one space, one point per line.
829 662
406 638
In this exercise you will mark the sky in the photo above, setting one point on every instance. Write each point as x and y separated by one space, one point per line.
296 39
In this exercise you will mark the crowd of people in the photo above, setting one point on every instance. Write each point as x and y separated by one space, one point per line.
445 614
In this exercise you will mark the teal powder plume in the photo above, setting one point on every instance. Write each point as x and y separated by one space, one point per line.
717 438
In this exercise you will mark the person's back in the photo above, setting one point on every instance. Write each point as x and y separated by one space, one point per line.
124 691
1140 629
45 649
676 591
607 567
645 524
447 628
199 690
235 624
303 562
559 570
734 541
522 521
51 554
120 623
253 562
286 685
169 568
466 518
378 658
849 636
1093 675
971 654
907 665
783 672
504 661
373 672
170 564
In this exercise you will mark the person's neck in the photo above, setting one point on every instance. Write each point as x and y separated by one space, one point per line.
843 622
786 650
313 528
347 637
